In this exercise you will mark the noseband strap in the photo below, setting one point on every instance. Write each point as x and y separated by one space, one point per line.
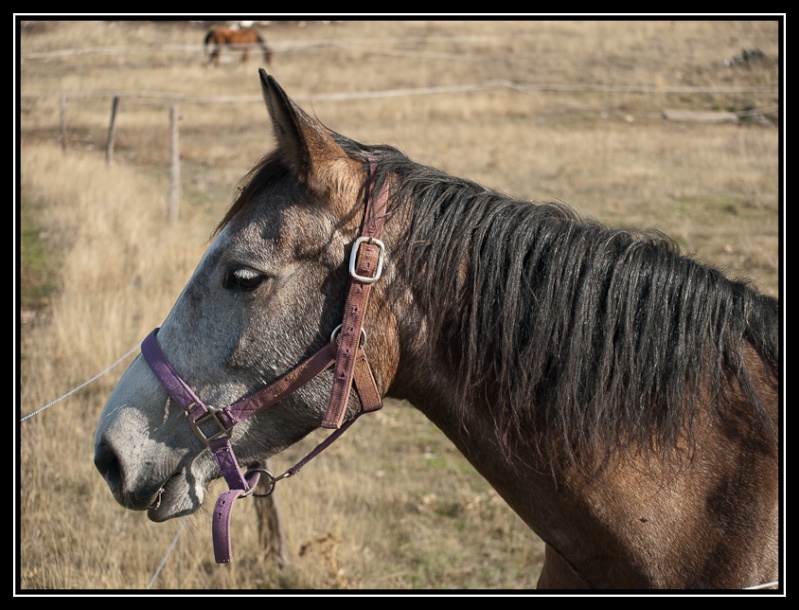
344 352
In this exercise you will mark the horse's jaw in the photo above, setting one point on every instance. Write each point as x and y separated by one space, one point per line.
148 457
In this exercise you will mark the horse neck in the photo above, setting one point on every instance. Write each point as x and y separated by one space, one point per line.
639 521
706 520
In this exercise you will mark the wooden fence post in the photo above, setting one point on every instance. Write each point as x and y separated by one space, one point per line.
62 103
270 527
173 213
109 149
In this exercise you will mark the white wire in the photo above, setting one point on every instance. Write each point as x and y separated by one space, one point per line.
83 385
168 552
765 585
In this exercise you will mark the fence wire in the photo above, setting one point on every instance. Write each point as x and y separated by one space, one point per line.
81 386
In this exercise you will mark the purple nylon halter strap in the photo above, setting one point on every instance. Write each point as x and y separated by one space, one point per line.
197 412
346 353
223 509
242 485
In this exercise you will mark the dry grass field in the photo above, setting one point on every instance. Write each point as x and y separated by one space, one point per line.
541 109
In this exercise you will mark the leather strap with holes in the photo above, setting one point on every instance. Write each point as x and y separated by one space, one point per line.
367 252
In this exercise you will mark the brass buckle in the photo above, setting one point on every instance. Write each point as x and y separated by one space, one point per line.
210 416
380 258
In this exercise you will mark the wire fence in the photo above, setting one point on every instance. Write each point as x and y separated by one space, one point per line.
156 97
165 96
76 389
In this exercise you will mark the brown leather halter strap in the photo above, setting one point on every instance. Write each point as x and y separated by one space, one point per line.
344 351
366 267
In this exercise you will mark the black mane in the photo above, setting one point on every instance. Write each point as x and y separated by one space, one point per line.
587 335
584 337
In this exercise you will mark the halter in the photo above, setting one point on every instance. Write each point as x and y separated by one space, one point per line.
345 352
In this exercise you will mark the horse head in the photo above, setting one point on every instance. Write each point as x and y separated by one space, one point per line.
265 296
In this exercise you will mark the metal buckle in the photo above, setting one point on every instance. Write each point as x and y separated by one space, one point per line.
270 483
337 330
380 258
210 416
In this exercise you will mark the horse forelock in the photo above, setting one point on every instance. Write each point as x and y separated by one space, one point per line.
268 171
273 167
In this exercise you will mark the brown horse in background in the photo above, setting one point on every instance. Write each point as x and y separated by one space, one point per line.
242 40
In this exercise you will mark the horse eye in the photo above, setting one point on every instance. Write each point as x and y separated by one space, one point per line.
243 278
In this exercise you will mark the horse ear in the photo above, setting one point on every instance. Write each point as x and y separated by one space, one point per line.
308 146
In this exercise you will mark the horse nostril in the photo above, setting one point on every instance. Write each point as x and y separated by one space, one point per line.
106 462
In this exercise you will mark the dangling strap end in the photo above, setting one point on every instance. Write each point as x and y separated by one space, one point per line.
223 509
335 415
221 525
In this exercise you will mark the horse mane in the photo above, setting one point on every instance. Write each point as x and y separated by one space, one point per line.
584 337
